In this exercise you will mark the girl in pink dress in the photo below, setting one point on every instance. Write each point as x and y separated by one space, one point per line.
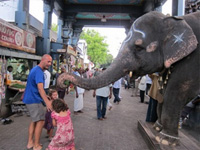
64 137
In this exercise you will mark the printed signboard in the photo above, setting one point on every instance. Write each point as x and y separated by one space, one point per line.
16 38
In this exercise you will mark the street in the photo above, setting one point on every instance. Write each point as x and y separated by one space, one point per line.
118 132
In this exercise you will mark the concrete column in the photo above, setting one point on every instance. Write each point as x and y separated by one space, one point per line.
46 28
181 7
22 14
158 9
67 32
178 8
60 31
175 8
74 39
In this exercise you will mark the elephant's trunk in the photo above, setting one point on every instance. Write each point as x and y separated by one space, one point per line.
119 68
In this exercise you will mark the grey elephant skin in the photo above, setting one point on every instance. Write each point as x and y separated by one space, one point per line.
164 44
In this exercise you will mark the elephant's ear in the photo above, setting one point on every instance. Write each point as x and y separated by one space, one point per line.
179 41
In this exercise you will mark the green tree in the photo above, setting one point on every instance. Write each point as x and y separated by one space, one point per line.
109 60
54 27
97 48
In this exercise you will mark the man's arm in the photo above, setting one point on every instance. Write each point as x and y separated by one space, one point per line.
94 93
43 95
75 87
110 96
54 122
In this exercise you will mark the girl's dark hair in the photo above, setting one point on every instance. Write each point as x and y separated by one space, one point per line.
51 91
59 105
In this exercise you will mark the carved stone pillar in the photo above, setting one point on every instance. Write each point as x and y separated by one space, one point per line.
22 14
47 9
60 31
67 31
74 39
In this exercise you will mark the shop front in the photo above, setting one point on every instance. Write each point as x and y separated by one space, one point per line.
17 57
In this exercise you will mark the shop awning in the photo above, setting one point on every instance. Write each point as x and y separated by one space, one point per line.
17 54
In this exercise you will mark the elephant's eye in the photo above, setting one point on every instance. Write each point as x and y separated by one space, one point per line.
139 47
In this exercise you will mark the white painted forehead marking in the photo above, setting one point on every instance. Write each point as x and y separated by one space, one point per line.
139 31
131 34
178 38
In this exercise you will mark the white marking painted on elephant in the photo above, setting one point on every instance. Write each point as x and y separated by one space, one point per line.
139 31
178 38
129 36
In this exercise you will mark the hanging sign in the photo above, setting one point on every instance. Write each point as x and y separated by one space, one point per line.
71 50
16 38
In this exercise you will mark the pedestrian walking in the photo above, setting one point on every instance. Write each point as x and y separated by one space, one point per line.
155 97
116 89
102 95
78 101
148 84
47 77
142 88
61 92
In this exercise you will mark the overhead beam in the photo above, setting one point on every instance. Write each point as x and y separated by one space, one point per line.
108 23
130 9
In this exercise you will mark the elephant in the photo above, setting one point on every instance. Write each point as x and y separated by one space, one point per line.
159 43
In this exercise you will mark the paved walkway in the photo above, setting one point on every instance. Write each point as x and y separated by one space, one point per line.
118 132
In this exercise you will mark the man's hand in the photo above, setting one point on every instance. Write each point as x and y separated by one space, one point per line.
110 96
94 93
76 95
44 96
67 92
48 105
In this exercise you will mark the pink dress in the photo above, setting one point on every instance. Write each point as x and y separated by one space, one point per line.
64 137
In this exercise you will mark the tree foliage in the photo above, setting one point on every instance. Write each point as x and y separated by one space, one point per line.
109 59
54 27
97 48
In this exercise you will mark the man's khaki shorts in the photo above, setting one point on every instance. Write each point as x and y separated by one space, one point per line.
37 111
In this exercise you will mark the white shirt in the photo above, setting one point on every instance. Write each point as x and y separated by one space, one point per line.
47 76
79 90
142 84
117 84
104 91
9 75
148 80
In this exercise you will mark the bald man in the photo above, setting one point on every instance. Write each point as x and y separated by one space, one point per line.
33 97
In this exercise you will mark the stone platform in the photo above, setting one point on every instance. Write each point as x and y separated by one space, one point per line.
187 142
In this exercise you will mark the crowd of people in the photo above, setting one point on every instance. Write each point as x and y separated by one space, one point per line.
48 109
192 6
38 95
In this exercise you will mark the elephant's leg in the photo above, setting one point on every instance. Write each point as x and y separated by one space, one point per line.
170 118
158 125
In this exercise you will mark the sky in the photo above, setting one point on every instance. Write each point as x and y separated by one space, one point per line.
115 36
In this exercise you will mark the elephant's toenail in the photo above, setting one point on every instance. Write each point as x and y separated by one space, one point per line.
157 129
165 142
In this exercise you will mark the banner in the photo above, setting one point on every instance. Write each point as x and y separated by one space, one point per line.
71 50
16 38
